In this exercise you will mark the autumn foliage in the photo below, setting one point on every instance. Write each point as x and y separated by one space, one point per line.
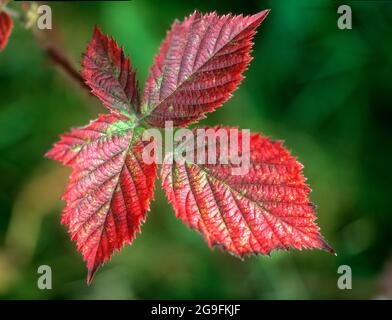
200 63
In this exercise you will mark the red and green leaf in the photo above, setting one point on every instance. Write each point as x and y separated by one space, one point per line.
264 210
110 187
5 29
197 68
70 144
110 74
199 65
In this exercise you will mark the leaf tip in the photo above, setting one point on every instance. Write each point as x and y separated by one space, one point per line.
90 275
97 30
325 246
259 17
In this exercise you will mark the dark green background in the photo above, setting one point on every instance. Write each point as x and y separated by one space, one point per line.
325 91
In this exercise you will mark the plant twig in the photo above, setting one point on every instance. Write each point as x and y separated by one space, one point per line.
50 47
59 59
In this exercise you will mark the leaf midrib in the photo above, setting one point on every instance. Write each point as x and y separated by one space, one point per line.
190 76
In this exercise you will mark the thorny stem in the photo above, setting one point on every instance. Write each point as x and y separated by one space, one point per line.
59 59
56 56
49 49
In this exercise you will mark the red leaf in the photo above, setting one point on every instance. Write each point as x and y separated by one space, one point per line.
110 187
71 143
198 65
110 74
5 29
266 209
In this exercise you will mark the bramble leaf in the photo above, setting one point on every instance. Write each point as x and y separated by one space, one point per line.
197 68
110 74
266 209
70 144
199 64
110 187
6 25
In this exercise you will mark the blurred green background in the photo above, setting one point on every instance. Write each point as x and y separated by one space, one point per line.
325 91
